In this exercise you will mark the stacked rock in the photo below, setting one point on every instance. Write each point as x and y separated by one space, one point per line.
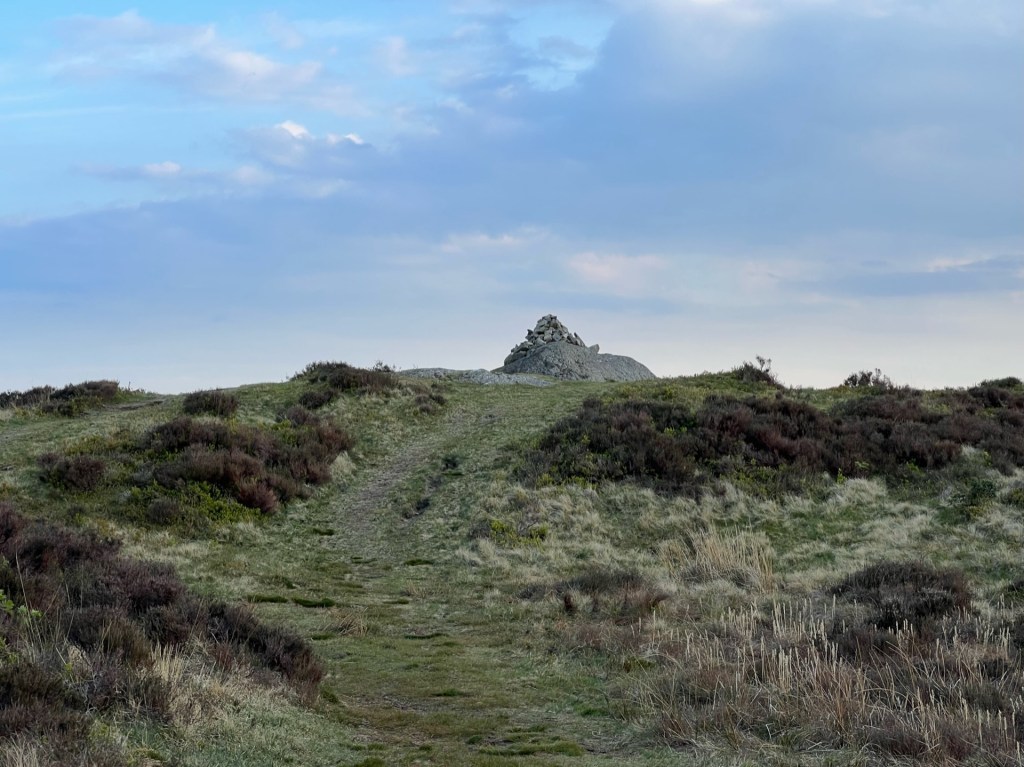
548 331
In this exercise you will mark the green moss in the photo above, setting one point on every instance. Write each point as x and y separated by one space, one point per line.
505 534
266 599
314 603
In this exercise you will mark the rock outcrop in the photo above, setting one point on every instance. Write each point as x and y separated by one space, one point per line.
548 331
551 349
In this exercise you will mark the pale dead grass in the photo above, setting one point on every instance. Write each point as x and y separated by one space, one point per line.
347 621
22 751
743 660
752 677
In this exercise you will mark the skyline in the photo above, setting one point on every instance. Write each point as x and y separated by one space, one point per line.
199 197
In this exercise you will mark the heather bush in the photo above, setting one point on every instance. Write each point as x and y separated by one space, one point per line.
628 440
872 379
62 589
314 399
1009 382
196 472
329 380
26 399
70 400
215 402
775 445
78 473
756 374
275 648
906 593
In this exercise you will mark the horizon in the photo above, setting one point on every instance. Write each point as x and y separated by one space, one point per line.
205 197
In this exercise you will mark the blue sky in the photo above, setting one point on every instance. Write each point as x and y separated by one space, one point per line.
202 195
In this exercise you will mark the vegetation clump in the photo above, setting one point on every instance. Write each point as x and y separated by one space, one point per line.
778 444
258 467
906 594
77 473
192 472
330 380
69 401
213 402
909 672
82 628
757 374
869 379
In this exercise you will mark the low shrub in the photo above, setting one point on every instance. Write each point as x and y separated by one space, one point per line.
429 401
329 380
314 399
191 472
621 595
25 399
906 593
775 445
757 374
871 379
70 400
216 402
63 589
77 473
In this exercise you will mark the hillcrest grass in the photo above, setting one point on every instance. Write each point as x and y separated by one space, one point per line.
468 609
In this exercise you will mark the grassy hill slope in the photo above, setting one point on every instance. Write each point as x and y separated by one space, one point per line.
475 601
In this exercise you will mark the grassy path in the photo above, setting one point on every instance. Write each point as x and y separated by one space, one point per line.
429 660
437 671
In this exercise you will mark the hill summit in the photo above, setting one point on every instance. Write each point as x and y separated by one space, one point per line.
552 349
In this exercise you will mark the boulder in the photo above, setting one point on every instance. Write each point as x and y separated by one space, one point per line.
551 349
577 363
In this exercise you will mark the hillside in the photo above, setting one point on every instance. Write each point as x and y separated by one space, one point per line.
708 571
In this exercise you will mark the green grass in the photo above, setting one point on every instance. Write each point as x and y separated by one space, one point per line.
432 656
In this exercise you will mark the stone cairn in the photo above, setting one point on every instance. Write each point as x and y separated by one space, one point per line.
548 331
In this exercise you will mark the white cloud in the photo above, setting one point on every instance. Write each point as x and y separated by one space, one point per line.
164 169
294 129
285 159
291 149
632 276
396 58
351 138
477 242
196 60
286 34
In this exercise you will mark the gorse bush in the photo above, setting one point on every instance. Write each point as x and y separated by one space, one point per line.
778 444
215 402
70 400
71 595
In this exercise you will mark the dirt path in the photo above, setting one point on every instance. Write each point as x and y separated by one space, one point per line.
363 509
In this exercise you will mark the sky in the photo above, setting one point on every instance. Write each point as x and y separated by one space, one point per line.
197 194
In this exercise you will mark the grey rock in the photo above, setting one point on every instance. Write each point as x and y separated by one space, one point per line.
481 376
570 362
